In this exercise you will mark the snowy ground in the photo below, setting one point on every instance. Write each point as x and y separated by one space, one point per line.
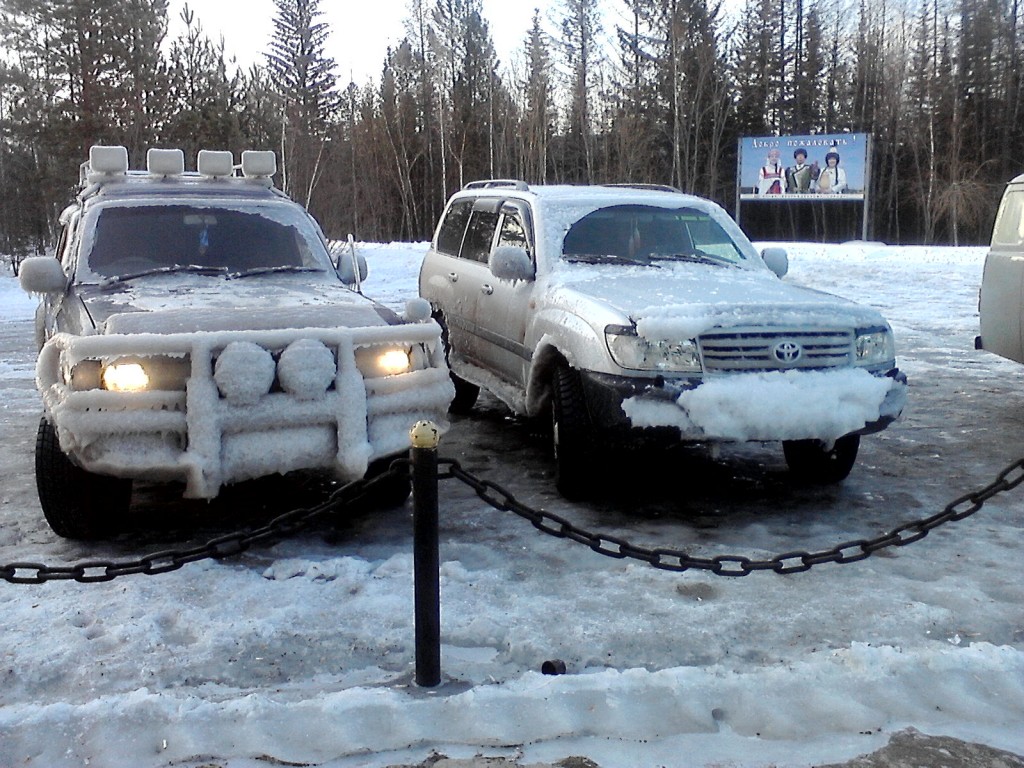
302 653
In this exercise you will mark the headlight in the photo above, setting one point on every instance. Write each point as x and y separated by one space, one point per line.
635 352
135 374
874 346
374 362
125 377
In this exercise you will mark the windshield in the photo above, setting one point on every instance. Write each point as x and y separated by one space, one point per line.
642 234
139 239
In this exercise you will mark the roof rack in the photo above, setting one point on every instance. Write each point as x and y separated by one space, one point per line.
110 164
522 186
651 187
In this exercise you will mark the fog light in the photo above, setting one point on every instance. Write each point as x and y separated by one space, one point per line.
306 369
244 372
125 377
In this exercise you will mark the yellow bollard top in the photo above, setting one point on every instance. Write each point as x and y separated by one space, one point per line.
424 434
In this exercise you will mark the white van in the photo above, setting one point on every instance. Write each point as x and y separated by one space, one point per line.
1001 304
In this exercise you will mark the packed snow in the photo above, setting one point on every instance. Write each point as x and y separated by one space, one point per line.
302 651
775 405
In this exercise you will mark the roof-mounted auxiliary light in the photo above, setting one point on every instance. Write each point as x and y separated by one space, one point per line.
105 163
108 160
215 164
258 164
165 162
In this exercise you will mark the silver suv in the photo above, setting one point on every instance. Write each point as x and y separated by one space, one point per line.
195 328
625 311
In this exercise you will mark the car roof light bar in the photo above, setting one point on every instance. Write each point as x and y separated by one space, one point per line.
259 164
165 162
215 164
105 163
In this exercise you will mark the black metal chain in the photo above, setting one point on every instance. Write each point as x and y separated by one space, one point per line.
228 545
734 565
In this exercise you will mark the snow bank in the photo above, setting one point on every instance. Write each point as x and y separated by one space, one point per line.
767 710
15 304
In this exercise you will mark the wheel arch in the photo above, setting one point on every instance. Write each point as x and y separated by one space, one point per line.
546 359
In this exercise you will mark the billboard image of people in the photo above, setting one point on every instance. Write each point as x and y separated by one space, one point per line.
825 166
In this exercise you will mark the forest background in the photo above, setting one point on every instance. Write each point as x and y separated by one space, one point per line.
645 91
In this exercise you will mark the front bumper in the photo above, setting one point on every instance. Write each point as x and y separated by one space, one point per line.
207 439
741 407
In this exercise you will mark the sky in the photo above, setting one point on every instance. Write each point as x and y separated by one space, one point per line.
361 32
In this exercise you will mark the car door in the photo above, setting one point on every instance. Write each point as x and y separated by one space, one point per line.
455 271
503 306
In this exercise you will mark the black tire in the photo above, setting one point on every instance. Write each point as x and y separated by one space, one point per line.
465 396
811 463
391 491
77 504
572 434
465 392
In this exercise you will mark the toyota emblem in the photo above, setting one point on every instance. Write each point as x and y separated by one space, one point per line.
787 352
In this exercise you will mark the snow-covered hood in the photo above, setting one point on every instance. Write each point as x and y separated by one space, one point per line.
214 304
685 300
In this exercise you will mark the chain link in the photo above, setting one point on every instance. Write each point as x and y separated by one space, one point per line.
232 544
734 565
228 545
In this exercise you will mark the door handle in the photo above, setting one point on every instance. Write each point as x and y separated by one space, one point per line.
486 289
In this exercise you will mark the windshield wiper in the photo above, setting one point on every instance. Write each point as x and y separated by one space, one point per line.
271 270
696 257
607 258
194 268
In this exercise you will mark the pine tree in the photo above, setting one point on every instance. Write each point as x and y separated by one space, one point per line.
580 25
204 100
304 77
538 110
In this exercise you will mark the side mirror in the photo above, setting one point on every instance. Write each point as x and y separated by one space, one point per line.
345 258
777 260
510 262
42 274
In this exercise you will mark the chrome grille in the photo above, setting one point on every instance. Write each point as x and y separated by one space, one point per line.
775 349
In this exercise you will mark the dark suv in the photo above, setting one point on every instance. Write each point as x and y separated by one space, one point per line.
194 328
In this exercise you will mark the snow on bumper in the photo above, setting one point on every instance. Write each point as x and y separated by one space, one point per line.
210 417
776 405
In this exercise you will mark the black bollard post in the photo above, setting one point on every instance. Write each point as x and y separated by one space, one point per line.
424 437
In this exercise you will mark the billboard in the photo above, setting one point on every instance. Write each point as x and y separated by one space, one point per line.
819 167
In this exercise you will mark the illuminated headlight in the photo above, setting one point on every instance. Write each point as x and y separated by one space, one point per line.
125 377
874 346
629 350
374 362
134 374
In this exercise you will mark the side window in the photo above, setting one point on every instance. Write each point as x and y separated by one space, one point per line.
1009 228
479 236
449 237
513 232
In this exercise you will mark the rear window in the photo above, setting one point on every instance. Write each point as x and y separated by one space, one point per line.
1009 228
